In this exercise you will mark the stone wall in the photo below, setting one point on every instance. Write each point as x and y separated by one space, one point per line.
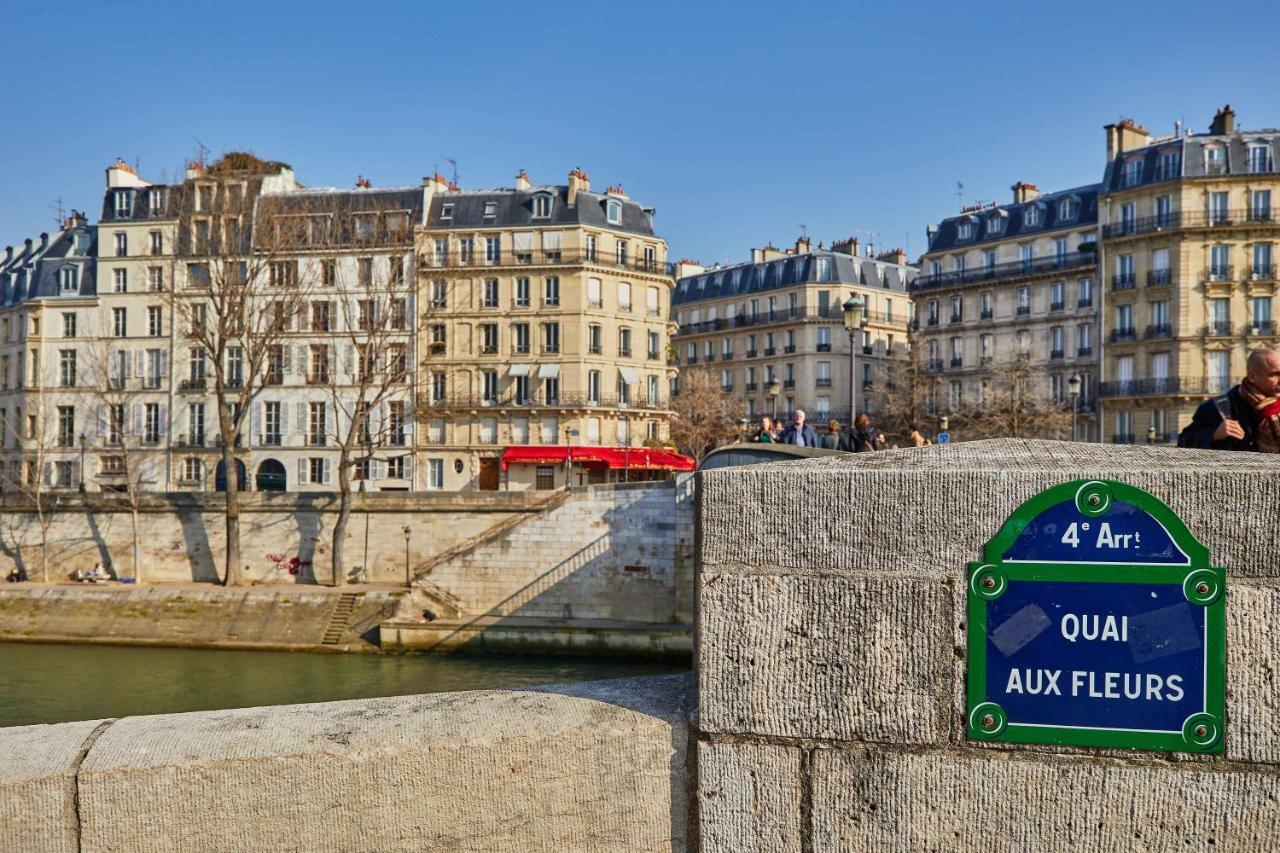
599 766
831 658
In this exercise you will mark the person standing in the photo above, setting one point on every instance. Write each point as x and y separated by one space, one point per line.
799 433
1247 417
861 438
832 439
916 439
768 433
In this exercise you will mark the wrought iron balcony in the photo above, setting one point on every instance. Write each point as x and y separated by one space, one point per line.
1265 328
1158 278
1012 269
1123 281
957 362
1218 329
1221 273
986 314
1057 306
551 258
1265 272
1171 385
1123 335
1159 330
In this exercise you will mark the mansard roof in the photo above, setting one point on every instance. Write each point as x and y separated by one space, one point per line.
791 270
513 208
1013 224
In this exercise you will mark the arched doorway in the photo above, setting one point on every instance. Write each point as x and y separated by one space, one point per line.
220 477
271 476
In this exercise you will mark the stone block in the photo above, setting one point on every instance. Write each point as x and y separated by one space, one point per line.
870 799
597 766
37 786
749 798
844 658
929 511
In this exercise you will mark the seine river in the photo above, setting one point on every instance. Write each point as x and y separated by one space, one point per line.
57 683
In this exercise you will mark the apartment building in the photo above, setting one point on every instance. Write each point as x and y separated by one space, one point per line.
1014 281
1188 242
48 312
544 324
776 323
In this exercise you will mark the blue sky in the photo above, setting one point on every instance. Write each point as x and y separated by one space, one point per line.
738 121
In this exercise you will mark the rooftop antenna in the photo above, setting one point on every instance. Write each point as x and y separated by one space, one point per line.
204 151
454 163
804 232
62 213
874 235
959 196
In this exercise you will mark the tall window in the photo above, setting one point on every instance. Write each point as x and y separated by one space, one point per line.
66 426
155 321
316 424
272 425
195 422
593 387
122 244
551 290
551 337
67 368
120 278
119 323
152 423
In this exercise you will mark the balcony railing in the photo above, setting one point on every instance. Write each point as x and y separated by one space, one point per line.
1086 302
1191 219
1056 354
1158 278
196 383
789 383
770 351
824 347
986 314
1023 310
1084 352
1145 225
957 318
269 439
1265 272
935 365
789 348
1222 273
636 400
1057 306
957 362
822 383
1265 328
552 258
751 353
1218 329
1123 335
751 386
1122 281
1172 385
1159 330
1012 269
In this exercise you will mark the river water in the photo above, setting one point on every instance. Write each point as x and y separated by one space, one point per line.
58 683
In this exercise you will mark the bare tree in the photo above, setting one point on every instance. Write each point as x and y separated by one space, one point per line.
1015 403
129 457
707 416
241 288
370 396
37 479
907 397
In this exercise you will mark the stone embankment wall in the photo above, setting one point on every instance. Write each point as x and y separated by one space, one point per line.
599 766
831 656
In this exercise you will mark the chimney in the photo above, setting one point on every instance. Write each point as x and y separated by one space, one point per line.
121 174
1224 122
8 254
894 256
195 169
363 183
757 255
1023 191
1125 135
44 240
27 252
803 245
522 180
578 182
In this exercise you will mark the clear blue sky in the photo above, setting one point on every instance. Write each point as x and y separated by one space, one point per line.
738 121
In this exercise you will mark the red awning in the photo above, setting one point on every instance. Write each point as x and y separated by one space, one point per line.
634 458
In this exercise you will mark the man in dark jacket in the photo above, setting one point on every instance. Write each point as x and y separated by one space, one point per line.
1245 418
799 432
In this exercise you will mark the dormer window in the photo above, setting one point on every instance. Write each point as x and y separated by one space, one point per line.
964 230
1133 172
155 202
490 209
995 224
1031 216
124 204
446 211
1260 160
613 212
1066 210
1215 159
70 279
541 206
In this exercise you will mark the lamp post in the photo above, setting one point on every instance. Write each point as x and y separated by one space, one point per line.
1151 434
408 581
1073 389
743 425
83 442
774 390
943 423
855 320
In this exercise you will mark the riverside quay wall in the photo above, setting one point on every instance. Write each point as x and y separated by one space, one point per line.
831 658
599 766
613 561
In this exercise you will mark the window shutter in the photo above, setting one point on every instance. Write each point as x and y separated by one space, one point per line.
333 317
302 471
301 426
75 472
255 421
330 422
304 317
286 359
328 471
379 469
301 357
164 419
349 360
164 364
102 420
284 419
48 473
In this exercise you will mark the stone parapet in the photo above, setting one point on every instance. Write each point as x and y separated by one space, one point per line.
597 766
831 659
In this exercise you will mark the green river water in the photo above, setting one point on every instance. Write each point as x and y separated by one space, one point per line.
58 683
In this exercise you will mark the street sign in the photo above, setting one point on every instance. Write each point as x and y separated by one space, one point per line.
1095 619
944 438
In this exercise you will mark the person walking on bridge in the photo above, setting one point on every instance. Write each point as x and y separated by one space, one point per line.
1245 418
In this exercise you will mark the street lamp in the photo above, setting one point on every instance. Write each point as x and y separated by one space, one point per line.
855 320
1073 389
774 390
408 581
743 425
83 442
1151 434
943 423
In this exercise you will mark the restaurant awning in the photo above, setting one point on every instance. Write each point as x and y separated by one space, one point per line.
629 375
632 458
519 370
548 371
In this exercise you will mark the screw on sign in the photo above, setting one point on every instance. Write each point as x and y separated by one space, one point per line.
1096 619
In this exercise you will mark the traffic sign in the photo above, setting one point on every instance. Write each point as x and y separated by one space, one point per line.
944 438
1095 619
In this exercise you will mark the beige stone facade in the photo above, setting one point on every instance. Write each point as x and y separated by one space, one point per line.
780 317
1189 235
1013 281
544 320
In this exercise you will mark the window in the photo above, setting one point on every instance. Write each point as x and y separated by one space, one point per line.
1057 295
995 224
520 338
985 304
594 338
69 324
435 473
1024 300
1084 339
1133 172
120 280
1262 265
440 253
157 243
1057 344
593 387
521 298
446 211
272 425
122 244
613 212
1219 210
1262 312
1160 314
551 290
624 296
124 204
1026 254
1124 320
1169 166
466 250
488 338
1259 159
119 322
151 424
964 231
1066 210
957 309
492 250
1031 216
624 342
1260 205
986 347
541 206
438 386
319 366
396 468
490 295
489 385
652 389
1220 262
439 294
620 252
399 315
70 278
195 424
551 337
67 368
439 341
316 425
365 310
155 321
235 366
1084 291
66 426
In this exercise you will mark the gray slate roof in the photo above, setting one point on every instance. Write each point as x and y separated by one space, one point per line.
947 236
742 279
514 208
1191 162
35 272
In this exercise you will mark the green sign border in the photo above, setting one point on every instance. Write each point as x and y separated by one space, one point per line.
1201 583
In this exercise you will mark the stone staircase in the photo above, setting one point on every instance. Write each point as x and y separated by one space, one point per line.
340 618
490 534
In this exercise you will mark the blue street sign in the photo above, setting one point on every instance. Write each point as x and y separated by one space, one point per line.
944 438
1095 619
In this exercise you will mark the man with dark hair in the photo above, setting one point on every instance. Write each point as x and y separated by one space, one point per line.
1245 418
